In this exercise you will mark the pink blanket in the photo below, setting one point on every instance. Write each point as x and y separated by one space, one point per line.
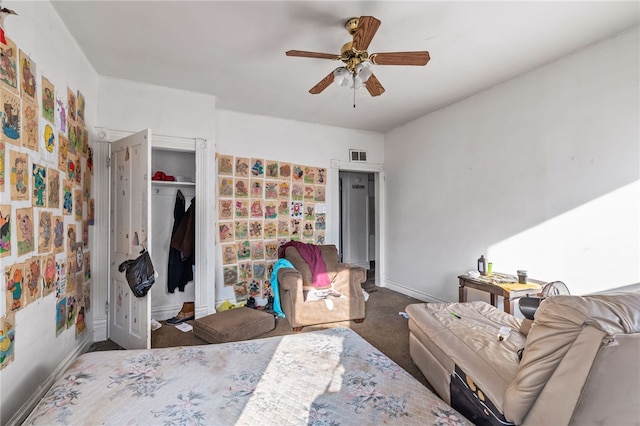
313 256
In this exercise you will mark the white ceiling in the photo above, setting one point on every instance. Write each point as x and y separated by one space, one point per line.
235 50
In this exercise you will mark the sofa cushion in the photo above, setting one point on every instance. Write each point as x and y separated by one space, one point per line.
466 335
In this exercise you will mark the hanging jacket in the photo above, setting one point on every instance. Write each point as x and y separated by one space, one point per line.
179 272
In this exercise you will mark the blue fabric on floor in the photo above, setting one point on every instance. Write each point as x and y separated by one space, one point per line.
281 263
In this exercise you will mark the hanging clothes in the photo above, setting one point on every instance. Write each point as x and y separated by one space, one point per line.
179 271
184 238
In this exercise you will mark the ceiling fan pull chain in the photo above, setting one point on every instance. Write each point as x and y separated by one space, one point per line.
354 90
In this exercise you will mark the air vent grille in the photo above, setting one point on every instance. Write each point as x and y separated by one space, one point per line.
357 155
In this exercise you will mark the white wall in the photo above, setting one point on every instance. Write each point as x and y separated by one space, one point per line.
245 135
538 173
131 106
39 32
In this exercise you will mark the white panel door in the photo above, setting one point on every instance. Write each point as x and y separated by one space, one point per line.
129 316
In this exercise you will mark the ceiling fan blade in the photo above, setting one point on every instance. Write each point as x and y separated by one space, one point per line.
400 58
374 87
304 54
323 84
367 27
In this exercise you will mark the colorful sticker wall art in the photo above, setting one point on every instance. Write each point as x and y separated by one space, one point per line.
45 228
48 142
48 100
8 65
19 175
92 212
28 77
30 125
242 167
11 124
15 298
229 253
48 274
39 196
78 201
7 339
86 185
71 104
2 157
230 275
58 234
63 152
225 165
61 279
5 230
25 233
225 209
87 267
32 275
85 233
81 103
60 116
272 169
72 305
67 197
53 188
225 187
80 324
257 167
61 315
241 291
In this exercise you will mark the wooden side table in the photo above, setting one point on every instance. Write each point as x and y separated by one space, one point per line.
498 284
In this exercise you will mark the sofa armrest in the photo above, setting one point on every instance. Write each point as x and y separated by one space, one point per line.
290 291
348 280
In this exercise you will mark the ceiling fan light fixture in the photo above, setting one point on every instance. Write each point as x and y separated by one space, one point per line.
363 71
342 76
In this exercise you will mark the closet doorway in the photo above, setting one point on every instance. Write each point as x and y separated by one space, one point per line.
168 197
137 209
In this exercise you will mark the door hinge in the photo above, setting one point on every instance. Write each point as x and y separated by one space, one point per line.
106 308
108 162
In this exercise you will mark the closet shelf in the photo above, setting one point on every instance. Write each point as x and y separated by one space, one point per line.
171 183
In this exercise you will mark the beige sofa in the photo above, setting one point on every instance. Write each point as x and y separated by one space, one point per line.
295 283
580 364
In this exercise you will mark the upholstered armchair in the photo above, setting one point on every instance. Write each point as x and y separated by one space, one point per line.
295 284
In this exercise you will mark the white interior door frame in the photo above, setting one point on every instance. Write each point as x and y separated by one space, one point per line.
205 261
333 218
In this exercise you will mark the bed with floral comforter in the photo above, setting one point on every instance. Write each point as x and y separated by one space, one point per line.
328 377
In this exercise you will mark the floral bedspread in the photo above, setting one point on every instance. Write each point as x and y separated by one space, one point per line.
328 377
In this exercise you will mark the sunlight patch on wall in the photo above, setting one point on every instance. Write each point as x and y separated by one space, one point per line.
591 248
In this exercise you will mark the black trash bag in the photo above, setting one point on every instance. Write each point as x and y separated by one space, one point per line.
140 273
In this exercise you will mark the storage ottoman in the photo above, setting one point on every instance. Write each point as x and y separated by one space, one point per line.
233 325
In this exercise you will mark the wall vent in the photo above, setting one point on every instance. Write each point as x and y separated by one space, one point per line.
356 155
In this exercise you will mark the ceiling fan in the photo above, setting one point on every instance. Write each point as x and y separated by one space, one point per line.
357 60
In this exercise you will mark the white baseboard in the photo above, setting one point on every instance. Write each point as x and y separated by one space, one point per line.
26 408
425 297
161 313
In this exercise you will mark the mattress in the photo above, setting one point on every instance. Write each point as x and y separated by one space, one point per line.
326 377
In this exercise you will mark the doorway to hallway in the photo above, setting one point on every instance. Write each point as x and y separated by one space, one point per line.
357 234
